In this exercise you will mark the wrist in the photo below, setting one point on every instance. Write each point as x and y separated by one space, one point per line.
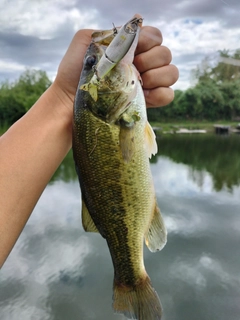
51 116
61 101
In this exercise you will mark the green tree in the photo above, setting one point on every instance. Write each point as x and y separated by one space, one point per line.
17 98
211 102
226 69
216 94
231 95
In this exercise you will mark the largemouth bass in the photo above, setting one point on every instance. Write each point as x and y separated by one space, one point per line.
112 143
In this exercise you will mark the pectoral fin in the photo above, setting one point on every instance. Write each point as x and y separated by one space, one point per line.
150 138
87 222
126 140
127 135
156 236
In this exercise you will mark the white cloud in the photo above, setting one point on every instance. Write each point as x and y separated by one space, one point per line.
196 41
191 31
35 18
10 66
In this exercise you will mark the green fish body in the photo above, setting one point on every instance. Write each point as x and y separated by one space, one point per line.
112 143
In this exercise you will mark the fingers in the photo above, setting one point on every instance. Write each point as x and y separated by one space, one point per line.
151 59
157 56
149 37
160 77
158 97
156 83
153 62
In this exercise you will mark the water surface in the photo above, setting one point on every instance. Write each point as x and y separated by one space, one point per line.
56 271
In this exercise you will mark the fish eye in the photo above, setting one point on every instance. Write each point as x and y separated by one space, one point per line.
91 60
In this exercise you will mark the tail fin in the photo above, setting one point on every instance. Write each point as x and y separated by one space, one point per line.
140 302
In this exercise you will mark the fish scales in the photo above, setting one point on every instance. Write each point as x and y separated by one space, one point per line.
116 188
111 138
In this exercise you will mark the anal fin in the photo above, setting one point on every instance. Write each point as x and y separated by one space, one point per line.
156 236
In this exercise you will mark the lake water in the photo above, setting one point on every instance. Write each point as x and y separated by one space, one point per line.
56 271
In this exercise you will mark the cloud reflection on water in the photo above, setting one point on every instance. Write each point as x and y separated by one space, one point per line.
181 180
190 198
51 249
56 271
198 271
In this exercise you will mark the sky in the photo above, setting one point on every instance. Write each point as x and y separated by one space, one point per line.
36 33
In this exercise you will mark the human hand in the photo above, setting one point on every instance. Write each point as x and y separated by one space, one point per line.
151 59
153 62
70 68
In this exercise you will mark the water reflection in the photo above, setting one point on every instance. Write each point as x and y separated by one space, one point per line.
218 155
56 271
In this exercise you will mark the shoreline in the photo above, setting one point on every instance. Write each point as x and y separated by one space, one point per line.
194 126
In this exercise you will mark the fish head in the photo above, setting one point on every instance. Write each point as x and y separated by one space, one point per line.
109 96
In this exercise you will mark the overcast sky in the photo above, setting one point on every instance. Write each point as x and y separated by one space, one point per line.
36 33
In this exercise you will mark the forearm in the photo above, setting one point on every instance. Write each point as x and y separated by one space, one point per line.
31 151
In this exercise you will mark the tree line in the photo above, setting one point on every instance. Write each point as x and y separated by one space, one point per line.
215 95
16 98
